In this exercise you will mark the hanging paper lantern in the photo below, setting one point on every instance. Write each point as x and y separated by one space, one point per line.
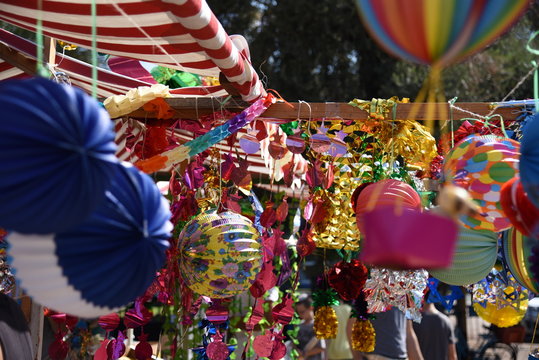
57 155
220 254
438 32
385 193
407 242
481 165
521 254
475 255
105 262
529 160
518 208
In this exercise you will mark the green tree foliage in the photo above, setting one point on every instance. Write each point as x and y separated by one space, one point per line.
320 51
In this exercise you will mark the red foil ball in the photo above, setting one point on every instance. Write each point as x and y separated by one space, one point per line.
348 279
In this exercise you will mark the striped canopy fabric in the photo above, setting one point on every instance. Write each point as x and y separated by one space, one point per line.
109 83
182 34
7 71
78 72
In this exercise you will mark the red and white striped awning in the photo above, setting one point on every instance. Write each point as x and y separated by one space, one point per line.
7 71
182 34
80 73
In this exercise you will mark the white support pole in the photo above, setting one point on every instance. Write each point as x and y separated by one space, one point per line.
36 329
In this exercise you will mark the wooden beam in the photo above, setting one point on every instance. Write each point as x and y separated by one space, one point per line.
49 54
36 329
17 59
189 108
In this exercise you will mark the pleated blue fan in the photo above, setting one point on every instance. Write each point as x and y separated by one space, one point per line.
529 160
56 155
105 262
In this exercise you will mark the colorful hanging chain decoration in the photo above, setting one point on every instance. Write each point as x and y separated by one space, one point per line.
73 338
447 301
402 289
213 347
363 336
203 142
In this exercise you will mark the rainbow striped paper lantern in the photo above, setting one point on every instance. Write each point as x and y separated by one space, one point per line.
438 32
521 254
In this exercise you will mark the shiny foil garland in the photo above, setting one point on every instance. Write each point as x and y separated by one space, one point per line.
363 336
406 138
325 323
338 230
402 289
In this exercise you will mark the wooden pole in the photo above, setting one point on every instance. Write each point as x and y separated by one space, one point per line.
189 108
36 329
49 54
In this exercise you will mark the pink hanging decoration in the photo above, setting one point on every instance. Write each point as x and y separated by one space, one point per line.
256 316
116 347
283 312
217 349
138 316
109 322
278 351
143 350
101 353
58 349
264 281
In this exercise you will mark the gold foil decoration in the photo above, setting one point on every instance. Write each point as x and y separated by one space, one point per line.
325 323
363 336
396 137
339 229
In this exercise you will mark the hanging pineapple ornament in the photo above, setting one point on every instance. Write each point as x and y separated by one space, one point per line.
363 337
325 318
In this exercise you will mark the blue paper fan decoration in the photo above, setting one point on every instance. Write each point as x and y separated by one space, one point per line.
56 154
105 262
529 160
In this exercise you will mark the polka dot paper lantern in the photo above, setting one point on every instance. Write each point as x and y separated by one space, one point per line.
220 254
388 192
482 164
521 254
474 257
